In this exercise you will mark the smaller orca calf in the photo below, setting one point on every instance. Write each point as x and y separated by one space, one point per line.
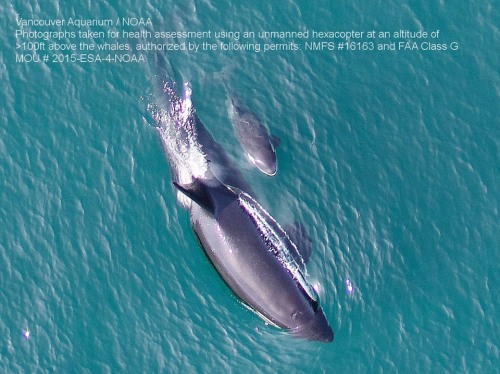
253 136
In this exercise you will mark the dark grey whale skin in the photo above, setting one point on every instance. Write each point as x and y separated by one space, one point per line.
221 165
240 254
236 248
253 136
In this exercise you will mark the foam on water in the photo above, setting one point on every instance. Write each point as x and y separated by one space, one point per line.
176 126
389 158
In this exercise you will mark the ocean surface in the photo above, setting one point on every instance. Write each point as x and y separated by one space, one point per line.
389 158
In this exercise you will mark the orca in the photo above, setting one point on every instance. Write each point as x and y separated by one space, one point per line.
253 136
254 256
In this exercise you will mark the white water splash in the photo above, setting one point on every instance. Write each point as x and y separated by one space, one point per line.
176 125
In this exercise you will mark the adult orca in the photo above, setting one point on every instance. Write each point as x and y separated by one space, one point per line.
253 136
254 256
252 253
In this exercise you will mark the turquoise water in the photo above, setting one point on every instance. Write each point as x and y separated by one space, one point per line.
390 159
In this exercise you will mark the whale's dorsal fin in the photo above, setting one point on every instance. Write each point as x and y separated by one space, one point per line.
198 192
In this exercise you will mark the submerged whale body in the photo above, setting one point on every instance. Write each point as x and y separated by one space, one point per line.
253 136
249 249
